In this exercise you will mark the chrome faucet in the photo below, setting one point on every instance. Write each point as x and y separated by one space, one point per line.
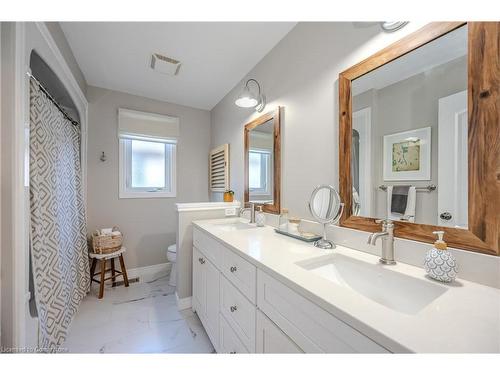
387 236
252 211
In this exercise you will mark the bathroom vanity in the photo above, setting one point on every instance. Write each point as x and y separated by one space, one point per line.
428 98
256 291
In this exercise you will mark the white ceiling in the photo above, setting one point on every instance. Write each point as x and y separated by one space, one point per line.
215 56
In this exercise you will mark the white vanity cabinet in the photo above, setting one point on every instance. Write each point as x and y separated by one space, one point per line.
205 300
245 310
224 294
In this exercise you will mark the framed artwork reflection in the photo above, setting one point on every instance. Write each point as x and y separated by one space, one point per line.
407 155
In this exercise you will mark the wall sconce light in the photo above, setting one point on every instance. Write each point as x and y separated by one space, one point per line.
391 26
248 99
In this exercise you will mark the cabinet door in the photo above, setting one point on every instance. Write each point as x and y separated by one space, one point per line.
212 276
271 339
229 341
239 313
312 328
199 284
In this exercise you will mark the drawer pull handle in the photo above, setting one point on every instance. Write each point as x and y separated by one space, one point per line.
201 260
233 308
233 269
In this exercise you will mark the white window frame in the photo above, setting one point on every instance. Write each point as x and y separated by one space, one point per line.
125 161
268 176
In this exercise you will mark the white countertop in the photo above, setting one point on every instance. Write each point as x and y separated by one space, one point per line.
464 319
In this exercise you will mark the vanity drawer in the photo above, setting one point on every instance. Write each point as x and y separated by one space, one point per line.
207 245
229 341
312 328
241 273
239 313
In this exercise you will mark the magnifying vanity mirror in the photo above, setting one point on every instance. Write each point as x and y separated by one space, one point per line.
326 208
263 161
419 136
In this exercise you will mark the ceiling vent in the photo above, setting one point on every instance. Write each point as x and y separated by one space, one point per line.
165 65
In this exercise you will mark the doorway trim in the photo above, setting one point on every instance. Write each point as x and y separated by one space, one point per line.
365 134
19 185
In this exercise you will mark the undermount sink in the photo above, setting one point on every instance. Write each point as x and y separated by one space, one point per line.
234 225
389 288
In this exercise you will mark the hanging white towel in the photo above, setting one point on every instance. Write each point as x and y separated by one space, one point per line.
390 215
409 214
410 205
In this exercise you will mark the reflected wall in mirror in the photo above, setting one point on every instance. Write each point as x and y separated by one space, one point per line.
419 136
262 161
409 125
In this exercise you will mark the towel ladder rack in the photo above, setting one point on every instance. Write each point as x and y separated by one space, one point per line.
427 188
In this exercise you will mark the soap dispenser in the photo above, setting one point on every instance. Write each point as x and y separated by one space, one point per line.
439 263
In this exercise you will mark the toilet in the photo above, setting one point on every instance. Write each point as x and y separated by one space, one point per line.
172 258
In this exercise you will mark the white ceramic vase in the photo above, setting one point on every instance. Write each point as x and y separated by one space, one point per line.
260 219
441 265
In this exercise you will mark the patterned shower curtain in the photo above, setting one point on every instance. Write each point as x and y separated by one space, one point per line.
58 229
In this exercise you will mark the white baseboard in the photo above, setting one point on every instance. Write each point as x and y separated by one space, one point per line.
183 303
149 273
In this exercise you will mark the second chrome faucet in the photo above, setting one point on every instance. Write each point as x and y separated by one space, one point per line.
387 236
251 209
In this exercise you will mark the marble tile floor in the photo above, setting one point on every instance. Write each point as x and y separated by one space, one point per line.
142 318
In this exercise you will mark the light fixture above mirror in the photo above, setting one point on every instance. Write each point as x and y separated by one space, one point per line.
248 99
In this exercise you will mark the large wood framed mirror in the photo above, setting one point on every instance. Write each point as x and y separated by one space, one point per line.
420 137
262 141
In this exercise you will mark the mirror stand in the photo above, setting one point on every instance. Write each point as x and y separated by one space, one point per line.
323 243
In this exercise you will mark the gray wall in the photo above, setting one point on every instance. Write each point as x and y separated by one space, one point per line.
301 74
405 105
63 45
149 225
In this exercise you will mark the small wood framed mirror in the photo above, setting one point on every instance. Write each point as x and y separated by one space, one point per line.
420 137
262 141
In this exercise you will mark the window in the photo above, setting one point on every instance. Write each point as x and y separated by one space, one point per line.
260 172
148 168
147 160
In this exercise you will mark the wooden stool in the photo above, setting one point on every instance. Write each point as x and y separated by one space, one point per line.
102 258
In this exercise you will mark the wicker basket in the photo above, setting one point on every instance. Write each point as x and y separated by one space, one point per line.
106 243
